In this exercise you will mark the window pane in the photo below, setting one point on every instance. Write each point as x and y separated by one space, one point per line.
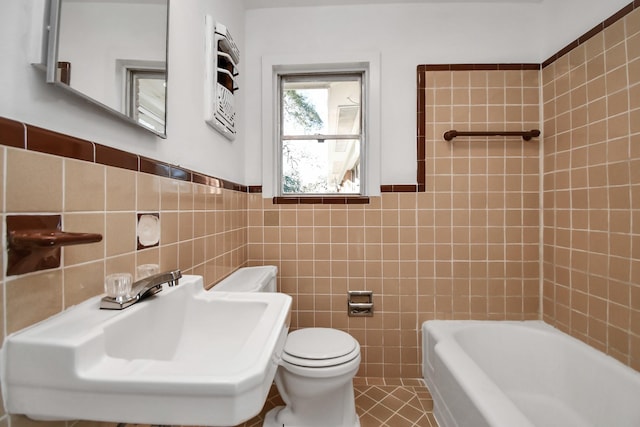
329 167
321 105
147 98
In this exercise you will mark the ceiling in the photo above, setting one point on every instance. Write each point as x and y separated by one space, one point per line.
261 4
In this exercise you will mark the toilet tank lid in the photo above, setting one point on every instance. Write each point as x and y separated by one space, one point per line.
319 343
247 279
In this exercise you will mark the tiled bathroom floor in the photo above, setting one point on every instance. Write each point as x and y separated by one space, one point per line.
379 403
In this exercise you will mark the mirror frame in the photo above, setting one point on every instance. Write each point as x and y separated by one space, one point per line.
51 34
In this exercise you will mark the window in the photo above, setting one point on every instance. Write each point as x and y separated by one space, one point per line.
145 97
321 133
274 68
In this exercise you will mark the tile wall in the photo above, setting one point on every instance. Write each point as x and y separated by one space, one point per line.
464 245
465 248
203 226
591 101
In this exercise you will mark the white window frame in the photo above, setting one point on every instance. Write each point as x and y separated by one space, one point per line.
361 136
274 66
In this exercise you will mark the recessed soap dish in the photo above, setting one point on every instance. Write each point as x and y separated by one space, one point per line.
148 230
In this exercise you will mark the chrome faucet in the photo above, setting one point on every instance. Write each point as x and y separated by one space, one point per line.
141 289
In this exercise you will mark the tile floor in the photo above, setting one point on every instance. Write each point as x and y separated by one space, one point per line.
380 402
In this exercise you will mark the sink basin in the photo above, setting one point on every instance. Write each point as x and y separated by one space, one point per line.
184 356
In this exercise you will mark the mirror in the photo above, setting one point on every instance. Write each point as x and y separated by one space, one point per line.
113 53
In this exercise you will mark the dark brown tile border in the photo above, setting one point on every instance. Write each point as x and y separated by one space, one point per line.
313 200
256 189
154 167
20 135
310 200
619 15
399 188
46 141
476 67
422 169
435 67
217 182
286 200
322 200
180 173
12 133
363 200
583 38
592 32
199 178
109 156
421 106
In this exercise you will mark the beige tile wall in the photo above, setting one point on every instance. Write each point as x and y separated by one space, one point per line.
203 231
466 248
592 191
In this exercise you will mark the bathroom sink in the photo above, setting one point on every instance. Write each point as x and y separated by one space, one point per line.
184 356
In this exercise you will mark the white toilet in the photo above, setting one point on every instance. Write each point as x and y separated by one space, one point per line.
315 380
317 366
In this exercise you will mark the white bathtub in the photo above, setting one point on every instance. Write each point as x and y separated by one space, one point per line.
523 374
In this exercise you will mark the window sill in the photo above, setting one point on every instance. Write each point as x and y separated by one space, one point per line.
321 200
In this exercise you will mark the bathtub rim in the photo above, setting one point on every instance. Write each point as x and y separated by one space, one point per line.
491 394
443 333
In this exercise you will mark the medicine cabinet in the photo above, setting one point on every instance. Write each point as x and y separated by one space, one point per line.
112 53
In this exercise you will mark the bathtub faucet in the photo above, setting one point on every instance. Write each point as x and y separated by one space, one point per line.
141 289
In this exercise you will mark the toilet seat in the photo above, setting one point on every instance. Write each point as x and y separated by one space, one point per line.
320 348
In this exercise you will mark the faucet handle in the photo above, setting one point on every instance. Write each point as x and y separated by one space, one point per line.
143 288
175 276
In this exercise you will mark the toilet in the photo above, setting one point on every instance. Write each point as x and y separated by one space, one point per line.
315 380
317 366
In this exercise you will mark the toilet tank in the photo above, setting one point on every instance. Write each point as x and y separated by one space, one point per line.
249 279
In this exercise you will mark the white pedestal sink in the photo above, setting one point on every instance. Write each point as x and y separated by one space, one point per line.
184 356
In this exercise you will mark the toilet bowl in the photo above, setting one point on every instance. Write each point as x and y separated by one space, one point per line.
317 366
315 380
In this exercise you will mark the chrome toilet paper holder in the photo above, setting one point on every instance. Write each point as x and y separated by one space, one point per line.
360 304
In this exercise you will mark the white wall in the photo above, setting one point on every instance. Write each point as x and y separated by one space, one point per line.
407 35
25 96
93 36
566 20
